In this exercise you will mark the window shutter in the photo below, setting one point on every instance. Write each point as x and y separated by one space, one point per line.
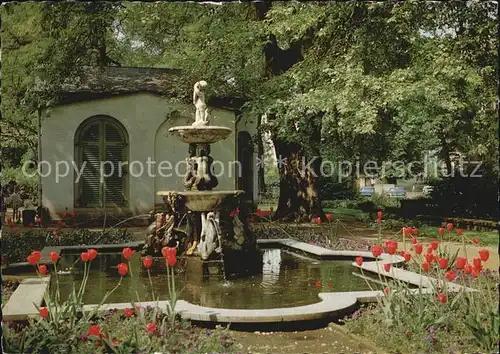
114 187
101 141
90 176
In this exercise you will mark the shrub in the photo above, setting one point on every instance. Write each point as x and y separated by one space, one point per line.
468 197
16 245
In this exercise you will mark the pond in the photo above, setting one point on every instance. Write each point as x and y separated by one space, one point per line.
287 280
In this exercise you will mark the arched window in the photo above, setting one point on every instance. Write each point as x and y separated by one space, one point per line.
101 143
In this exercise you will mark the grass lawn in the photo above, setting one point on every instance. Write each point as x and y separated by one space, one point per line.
486 238
343 212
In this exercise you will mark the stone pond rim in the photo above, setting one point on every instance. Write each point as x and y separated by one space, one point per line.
200 134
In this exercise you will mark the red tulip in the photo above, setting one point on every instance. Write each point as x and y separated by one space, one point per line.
418 248
459 231
85 257
443 263
64 213
31 260
147 262
414 240
376 250
467 269
42 269
387 267
37 255
441 231
434 245
379 214
359 261
38 220
402 253
429 257
475 240
449 226
170 254
92 253
329 217
258 212
378 221
43 312
54 257
128 312
476 262
425 266
460 262
122 269
484 255
430 249
391 249
151 327
407 257
127 253
442 298
414 231
450 275
73 214
407 231
387 291
95 330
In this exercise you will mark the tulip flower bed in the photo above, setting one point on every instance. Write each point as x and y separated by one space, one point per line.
64 326
443 321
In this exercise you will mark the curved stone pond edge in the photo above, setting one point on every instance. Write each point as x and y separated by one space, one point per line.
334 305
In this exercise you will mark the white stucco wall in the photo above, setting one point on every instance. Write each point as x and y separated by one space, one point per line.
144 117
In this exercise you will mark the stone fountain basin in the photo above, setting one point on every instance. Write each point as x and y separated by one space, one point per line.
200 134
204 200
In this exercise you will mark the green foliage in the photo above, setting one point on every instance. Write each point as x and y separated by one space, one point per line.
27 184
373 81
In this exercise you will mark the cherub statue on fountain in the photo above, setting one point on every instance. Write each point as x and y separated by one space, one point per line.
201 117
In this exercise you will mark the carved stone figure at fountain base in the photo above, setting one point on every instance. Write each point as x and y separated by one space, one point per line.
212 231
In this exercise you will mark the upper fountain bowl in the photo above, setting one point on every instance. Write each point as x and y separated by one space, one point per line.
201 200
200 134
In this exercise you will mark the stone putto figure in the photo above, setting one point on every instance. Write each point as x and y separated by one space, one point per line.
201 117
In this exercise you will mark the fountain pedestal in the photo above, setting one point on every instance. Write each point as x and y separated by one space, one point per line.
214 230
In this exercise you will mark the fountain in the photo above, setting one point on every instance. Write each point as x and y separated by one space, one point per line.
215 228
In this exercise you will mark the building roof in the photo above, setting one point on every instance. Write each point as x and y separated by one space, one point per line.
96 83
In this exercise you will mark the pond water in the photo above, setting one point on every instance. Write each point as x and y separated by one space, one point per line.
287 280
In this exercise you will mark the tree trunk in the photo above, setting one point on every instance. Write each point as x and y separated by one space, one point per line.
261 171
299 195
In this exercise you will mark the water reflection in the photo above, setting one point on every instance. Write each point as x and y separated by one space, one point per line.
271 265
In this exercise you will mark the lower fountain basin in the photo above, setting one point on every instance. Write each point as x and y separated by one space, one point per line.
200 134
286 280
201 200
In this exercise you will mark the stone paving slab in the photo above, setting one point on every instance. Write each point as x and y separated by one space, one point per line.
21 304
